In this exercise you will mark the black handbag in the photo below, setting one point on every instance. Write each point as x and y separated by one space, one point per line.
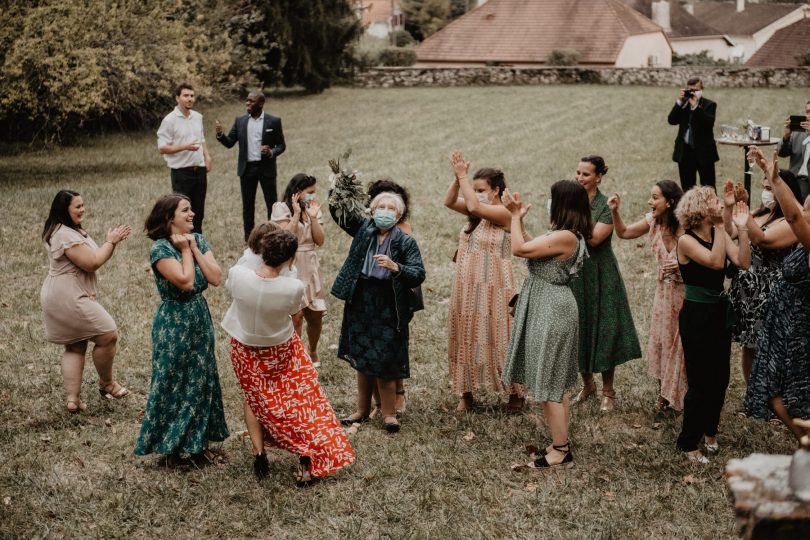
415 300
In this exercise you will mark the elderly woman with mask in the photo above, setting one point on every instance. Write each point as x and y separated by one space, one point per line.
382 265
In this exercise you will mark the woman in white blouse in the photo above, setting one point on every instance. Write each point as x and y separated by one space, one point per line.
284 404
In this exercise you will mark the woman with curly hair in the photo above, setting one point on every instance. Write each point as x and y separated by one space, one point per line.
664 351
705 319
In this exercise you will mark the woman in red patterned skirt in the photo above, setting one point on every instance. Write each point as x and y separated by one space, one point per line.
284 404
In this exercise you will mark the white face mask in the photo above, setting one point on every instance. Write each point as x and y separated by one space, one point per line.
548 206
698 94
483 198
768 200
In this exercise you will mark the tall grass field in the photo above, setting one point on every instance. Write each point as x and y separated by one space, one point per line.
75 476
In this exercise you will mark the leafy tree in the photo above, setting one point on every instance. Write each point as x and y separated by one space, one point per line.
72 67
425 17
309 42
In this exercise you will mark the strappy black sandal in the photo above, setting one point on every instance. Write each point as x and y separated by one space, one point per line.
566 463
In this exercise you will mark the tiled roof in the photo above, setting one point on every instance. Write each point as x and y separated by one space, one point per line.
782 49
725 17
683 23
526 31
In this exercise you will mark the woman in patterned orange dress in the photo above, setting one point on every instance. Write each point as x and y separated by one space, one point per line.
478 328
284 404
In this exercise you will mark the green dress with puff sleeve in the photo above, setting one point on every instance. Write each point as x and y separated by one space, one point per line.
184 410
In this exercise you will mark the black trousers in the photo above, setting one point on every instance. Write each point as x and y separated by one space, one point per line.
249 182
193 183
689 167
706 353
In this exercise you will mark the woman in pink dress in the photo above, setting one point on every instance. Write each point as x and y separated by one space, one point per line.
664 350
71 312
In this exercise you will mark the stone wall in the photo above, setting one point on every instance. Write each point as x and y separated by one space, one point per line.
714 77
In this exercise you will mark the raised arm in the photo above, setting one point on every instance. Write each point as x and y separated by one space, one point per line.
495 213
227 140
452 199
689 249
550 245
740 253
313 210
791 208
91 260
348 219
635 230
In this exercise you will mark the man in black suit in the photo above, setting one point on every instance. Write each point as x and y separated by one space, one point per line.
695 149
261 141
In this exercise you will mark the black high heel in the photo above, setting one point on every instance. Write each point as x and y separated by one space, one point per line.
303 478
261 468
566 463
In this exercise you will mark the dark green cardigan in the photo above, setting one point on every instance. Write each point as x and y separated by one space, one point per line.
404 252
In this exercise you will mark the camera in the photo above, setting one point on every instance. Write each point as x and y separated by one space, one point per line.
688 93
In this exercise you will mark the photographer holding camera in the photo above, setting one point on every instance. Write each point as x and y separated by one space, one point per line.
795 144
695 149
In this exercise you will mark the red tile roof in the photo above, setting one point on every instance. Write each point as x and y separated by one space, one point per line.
725 17
682 22
526 31
784 47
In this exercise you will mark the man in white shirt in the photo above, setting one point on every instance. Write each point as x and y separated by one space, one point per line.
261 141
181 141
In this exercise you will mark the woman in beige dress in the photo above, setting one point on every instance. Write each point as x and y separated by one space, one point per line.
478 328
300 213
71 313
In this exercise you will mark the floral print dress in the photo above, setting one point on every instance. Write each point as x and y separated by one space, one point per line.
184 409
664 348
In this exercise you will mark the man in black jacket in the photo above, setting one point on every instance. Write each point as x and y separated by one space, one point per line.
261 141
695 149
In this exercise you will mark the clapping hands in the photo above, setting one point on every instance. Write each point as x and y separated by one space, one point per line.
118 234
514 204
740 216
460 166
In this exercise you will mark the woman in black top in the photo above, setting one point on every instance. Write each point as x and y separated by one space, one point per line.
704 325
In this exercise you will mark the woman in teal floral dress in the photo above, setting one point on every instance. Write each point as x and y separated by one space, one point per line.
184 410
607 335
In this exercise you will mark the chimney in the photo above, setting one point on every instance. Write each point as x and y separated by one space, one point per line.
660 14
740 6
690 7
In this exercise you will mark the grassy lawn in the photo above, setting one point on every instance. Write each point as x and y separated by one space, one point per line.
442 477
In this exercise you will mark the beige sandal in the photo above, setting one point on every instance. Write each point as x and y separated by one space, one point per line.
587 391
112 390
76 405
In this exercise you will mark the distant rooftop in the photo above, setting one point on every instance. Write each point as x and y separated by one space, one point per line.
784 47
526 31
683 23
725 17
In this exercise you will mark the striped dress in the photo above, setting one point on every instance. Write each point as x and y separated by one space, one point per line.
479 321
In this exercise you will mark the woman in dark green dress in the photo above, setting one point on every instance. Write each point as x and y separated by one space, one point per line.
184 409
607 335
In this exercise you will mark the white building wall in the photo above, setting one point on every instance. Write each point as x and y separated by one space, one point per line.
718 47
638 50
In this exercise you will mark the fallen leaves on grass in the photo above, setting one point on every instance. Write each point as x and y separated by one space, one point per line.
469 436
45 438
690 479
